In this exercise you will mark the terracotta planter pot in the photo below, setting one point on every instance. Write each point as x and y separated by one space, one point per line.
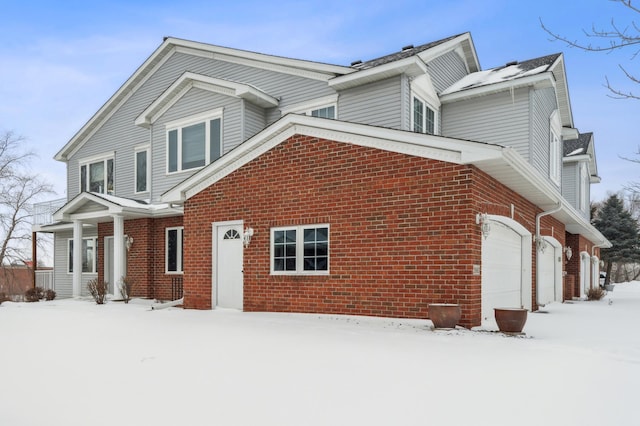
444 315
510 320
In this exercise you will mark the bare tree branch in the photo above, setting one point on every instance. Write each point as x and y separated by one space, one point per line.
612 39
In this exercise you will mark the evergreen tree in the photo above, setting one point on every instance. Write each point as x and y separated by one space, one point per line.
621 229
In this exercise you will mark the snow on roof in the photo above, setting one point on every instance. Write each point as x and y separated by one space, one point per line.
130 203
509 72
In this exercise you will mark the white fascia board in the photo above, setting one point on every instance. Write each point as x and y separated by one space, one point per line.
542 79
188 80
153 62
412 66
574 221
561 79
262 57
576 158
457 42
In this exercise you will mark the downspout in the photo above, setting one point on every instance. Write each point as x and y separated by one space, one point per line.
540 243
150 164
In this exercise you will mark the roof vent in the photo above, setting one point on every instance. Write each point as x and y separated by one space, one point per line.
407 47
511 63
356 62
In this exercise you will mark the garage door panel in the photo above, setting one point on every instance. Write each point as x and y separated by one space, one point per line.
501 269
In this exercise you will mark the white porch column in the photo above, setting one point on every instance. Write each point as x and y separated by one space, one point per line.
118 255
77 258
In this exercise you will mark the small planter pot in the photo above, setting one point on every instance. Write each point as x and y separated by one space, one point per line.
510 320
444 315
609 287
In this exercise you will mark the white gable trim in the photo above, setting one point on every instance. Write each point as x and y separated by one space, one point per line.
189 80
413 66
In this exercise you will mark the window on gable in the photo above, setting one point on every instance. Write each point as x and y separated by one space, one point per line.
584 188
325 112
554 158
423 117
89 255
173 250
194 145
142 170
300 250
97 176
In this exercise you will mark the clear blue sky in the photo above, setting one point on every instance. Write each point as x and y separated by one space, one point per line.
60 61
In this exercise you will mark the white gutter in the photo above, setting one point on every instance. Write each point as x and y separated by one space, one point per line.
538 238
540 244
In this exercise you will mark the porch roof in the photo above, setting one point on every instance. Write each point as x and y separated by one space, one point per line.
92 207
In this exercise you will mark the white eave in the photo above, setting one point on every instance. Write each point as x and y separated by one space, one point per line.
189 80
93 208
413 66
539 80
502 163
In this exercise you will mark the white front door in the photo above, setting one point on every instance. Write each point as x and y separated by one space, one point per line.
228 273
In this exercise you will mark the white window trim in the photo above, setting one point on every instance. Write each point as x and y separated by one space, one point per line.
436 112
555 148
138 149
204 117
96 159
300 249
179 251
308 106
95 255
584 182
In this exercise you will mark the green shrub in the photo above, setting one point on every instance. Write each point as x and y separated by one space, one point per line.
595 293
98 290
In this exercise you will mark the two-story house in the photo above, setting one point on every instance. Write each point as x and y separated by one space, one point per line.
276 184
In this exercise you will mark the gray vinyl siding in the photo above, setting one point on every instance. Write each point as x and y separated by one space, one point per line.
254 120
543 104
378 104
120 134
499 118
446 70
195 101
62 279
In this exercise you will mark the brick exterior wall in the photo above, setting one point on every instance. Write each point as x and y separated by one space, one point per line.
146 258
402 229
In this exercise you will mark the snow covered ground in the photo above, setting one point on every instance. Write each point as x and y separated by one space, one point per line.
71 362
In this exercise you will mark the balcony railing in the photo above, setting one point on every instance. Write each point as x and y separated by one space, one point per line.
44 279
43 212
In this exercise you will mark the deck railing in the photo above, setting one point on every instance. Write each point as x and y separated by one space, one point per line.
43 212
176 288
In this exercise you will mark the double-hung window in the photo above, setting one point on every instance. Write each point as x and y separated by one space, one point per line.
173 250
97 176
300 250
141 166
424 117
194 143
89 255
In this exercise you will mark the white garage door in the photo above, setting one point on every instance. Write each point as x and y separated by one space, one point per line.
549 274
501 269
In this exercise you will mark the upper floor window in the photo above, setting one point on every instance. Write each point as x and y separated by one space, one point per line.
584 188
325 112
89 255
423 117
173 250
142 169
555 162
97 176
193 144
555 147
300 250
